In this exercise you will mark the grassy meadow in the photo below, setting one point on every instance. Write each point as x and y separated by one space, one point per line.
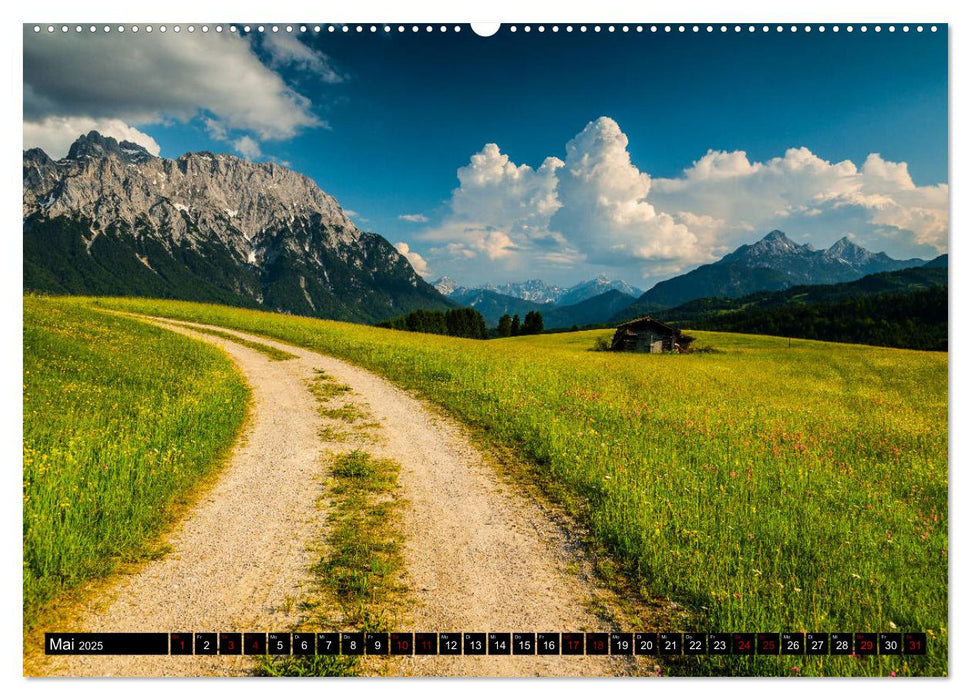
761 487
121 420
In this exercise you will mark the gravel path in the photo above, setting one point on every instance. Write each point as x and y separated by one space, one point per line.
479 556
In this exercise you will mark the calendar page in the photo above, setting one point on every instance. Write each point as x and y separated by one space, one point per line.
543 349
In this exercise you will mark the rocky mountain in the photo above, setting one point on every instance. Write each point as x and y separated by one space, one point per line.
589 302
593 310
535 291
446 285
773 263
905 308
899 282
531 290
540 292
596 287
110 218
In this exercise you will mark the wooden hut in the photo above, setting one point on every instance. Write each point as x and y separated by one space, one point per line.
645 335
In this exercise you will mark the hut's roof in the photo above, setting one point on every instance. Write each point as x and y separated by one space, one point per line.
647 322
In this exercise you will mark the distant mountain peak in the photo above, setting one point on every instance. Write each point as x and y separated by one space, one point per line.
846 251
446 285
535 290
764 252
95 145
772 263
595 287
777 240
845 244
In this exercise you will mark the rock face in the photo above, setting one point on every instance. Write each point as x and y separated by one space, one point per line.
536 291
111 218
775 262
445 285
843 261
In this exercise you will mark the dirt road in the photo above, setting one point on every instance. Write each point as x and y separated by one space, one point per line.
478 555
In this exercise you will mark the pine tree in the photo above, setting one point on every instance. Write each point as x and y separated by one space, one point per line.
481 332
516 327
505 326
533 323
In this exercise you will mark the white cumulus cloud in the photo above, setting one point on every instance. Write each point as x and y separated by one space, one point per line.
606 213
500 211
513 198
469 239
153 78
416 260
801 192
414 218
247 147
595 207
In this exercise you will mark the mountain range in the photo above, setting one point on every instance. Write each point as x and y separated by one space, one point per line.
904 309
588 302
706 311
775 262
110 218
540 292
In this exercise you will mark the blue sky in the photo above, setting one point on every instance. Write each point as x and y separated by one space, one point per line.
592 133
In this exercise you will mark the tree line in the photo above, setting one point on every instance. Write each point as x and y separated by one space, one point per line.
531 325
464 323
915 320
460 323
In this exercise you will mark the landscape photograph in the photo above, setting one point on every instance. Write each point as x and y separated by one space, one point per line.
603 350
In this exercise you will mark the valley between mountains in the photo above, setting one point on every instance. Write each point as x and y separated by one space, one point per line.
477 554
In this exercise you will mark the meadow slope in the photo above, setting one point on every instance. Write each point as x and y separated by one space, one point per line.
113 447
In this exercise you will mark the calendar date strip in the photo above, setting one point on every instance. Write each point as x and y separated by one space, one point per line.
856 644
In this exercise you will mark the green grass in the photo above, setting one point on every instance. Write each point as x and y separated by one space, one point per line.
121 420
275 354
364 552
324 388
360 568
351 421
291 666
763 488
